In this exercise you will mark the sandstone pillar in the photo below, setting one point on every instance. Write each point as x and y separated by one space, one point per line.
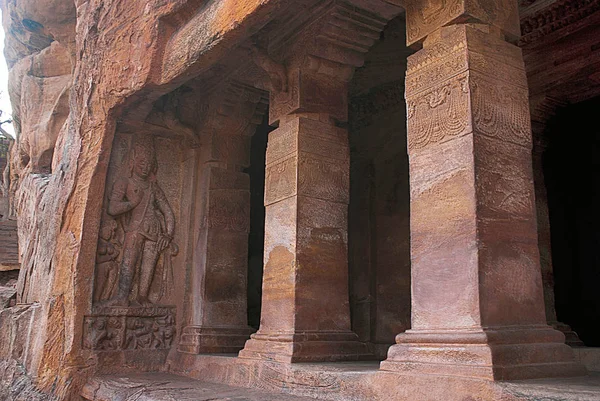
477 297
218 320
305 308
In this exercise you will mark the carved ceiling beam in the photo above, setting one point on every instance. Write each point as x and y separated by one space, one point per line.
132 127
561 51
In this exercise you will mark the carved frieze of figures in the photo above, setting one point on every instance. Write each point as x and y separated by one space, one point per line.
132 328
136 235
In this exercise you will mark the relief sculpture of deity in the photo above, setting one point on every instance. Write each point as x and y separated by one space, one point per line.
148 223
107 266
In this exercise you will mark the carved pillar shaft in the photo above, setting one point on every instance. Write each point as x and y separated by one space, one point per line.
477 300
218 321
305 308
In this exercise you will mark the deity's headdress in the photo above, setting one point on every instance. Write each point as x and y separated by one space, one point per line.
143 146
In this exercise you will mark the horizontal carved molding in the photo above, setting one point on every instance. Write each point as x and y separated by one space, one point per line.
555 17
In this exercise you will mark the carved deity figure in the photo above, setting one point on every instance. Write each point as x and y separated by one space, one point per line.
100 337
148 222
139 333
164 331
106 262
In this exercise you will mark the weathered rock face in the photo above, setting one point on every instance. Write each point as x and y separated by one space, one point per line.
110 51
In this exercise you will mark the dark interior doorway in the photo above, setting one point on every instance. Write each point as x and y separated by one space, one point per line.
379 214
256 239
572 174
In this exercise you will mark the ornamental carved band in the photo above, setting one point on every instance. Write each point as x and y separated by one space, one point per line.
307 157
470 82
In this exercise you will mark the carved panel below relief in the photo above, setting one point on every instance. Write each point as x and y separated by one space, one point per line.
118 329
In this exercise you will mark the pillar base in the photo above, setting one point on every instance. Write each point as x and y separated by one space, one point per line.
213 340
571 338
491 354
306 346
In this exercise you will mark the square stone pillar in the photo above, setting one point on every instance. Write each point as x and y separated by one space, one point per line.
219 278
305 309
477 298
217 301
305 306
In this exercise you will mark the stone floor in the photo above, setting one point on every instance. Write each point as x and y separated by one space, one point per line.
576 389
335 382
168 387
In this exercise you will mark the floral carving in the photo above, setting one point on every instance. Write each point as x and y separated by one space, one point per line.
501 111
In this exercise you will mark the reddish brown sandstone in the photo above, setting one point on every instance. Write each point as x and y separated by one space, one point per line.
401 197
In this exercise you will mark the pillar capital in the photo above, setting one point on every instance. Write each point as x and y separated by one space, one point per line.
423 17
229 119
319 60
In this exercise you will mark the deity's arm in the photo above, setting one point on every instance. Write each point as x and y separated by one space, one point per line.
117 204
165 208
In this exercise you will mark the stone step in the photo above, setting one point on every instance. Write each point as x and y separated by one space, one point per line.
168 387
